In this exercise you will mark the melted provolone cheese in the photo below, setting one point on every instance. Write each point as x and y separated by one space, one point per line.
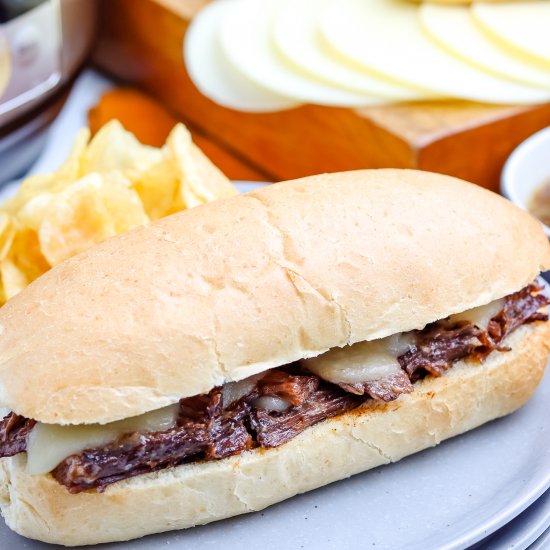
480 316
232 391
271 403
49 444
362 362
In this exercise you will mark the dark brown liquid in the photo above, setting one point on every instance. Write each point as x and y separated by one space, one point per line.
539 203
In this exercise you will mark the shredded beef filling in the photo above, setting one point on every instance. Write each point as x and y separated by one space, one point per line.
385 389
294 389
274 429
130 455
14 430
438 346
442 343
519 308
208 429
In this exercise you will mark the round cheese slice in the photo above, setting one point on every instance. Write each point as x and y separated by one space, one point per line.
297 37
215 77
522 26
247 40
455 30
385 36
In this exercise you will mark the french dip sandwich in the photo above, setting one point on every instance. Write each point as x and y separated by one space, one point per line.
231 356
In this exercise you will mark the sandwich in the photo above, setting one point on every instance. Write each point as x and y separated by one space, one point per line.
226 358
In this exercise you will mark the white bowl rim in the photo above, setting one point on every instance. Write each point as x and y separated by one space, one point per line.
508 181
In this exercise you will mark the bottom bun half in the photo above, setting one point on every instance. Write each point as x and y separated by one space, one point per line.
375 434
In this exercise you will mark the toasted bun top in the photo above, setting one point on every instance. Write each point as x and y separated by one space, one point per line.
248 283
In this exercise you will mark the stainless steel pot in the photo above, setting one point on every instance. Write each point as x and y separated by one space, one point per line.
43 43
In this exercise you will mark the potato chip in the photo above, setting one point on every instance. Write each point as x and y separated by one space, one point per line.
115 149
7 232
13 279
26 255
158 189
31 214
54 182
193 192
87 212
22 264
175 183
71 169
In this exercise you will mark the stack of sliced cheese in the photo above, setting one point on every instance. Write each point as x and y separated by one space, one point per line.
270 55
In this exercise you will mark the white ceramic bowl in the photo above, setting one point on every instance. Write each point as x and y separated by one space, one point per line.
526 169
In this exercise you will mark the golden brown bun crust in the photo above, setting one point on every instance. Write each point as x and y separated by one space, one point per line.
248 283
464 398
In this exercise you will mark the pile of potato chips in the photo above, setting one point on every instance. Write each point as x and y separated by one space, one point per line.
106 186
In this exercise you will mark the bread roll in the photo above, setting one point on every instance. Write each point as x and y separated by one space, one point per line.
244 284
249 283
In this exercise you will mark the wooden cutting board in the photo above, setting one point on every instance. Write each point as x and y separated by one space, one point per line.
141 42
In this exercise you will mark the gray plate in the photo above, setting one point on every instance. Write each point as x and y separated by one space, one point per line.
523 530
542 543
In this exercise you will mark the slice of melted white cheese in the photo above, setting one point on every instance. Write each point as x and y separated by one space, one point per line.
362 362
49 444
480 316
